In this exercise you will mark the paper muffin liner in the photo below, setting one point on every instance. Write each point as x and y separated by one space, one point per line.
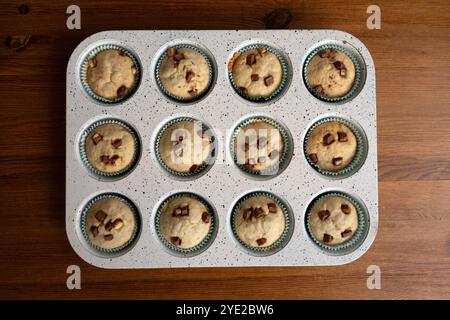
204 244
209 59
360 154
108 175
358 236
285 81
204 167
282 240
84 231
284 157
85 64
359 73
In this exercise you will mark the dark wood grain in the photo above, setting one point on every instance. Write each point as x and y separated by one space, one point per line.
412 58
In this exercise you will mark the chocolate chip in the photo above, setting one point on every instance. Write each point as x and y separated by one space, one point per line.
346 233
338 65
104 159
243 90
328 139
258 213
116 143
261 143
189 75
272 207
268 81
96 138
337 161
313 158
262 159
118 223
192 92
175 241
193 168
92 62
246 147
171 52
176 212
324 215
180 138
94 231
324 53
178 56
100 215
274 154
185 211
251 59
248 213
319 89
122 53
261 241
342 136
108 237
121 91
341 67
327 238
109 225
345 208
205 217
113 159
254 77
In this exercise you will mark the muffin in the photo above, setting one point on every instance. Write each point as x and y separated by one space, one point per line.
256 72
258 146
259 221
110 223
184 73
184 221
333 220
331 146
111 74
110 148
331 73
185 146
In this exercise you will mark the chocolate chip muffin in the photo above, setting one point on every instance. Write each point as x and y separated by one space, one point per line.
258 146
333 220
256 72
111 74
184 221
110 148
184 73
185 146
331 73
259 221
331 146
110 223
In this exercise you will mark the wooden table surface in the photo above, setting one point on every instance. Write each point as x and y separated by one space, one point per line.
412 59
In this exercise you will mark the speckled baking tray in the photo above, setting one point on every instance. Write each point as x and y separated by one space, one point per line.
223 184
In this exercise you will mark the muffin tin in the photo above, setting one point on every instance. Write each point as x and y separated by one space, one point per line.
147 109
